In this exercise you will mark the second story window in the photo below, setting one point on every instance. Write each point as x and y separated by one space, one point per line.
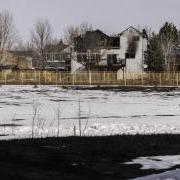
130 55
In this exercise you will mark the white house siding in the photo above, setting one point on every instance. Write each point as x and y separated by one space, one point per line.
134 66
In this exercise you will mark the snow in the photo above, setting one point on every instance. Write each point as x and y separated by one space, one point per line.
169 175
102 112
157 162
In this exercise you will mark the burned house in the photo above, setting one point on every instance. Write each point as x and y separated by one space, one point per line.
90 48
125 51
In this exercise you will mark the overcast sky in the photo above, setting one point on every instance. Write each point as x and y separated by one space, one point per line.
112 16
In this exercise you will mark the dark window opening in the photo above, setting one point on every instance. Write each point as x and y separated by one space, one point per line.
178 68
122 62
101 43
177 56
112 59
114 42
130 55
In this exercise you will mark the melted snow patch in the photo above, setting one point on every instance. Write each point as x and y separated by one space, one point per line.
169 175
157 162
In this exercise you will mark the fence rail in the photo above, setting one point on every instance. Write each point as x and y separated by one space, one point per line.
90 78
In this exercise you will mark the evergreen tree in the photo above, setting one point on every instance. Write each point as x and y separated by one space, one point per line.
168 38
169 32
155 60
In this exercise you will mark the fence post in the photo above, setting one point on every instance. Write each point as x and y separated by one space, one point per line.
56 79
104 77
5 78
35 76
60 77
125 83
73 79
177 79
22 76
90 80
39 78
142 80
160 80
45 77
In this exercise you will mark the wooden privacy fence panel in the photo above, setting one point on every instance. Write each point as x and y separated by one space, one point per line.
90 78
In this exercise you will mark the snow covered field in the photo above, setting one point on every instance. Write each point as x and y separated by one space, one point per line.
159 163
169 175
103 112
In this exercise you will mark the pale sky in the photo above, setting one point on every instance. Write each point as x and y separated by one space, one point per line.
111 16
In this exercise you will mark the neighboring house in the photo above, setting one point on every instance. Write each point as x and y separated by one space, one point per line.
126 51
17 60
58 57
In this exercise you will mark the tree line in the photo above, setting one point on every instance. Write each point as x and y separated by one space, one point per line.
160 44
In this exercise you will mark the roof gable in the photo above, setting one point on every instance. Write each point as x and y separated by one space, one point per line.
130 29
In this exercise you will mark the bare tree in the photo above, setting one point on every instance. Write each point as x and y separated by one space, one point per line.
89 60
149 31
7 32
41 37
145 29
71 32
84 27
166 44
18 44
168 38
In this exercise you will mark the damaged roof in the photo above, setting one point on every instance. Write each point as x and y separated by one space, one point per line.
144 34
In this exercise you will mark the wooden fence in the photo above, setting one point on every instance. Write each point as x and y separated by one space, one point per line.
89 78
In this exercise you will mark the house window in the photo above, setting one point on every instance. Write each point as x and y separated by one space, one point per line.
130 56
112 58
178 68
101 43
56 57
48 57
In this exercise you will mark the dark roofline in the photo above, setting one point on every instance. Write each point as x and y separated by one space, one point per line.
94 31
132 28
22 53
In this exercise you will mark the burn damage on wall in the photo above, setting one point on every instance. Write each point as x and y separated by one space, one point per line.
95 40
97 51
89 46
132 47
